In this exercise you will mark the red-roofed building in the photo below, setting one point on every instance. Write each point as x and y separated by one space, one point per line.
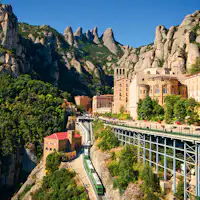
61 141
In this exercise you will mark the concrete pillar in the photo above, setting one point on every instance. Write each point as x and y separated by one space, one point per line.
144 149
185 173
138 147
157 155
150 151
174 164
165 160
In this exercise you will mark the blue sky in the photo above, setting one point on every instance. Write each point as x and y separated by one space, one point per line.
133 21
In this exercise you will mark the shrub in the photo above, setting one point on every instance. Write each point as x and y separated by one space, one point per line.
108 139
113 168
151 182
180 189
60 185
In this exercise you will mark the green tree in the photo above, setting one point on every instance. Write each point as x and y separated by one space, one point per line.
146 109
126 171
53 161
190 110
30 110
107 139
151 182
180 110
170 101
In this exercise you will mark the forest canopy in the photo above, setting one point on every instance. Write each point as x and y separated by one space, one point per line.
30 109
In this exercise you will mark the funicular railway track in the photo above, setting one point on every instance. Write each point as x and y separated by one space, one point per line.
89 168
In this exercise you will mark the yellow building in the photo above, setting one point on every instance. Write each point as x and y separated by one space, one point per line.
193 86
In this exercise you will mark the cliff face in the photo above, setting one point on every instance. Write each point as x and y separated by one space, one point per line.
34 181
177 48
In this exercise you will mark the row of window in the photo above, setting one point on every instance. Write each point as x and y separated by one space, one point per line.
157 91
50 149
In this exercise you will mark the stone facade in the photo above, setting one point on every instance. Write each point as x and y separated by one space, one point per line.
129 87
155 85
121 89
102 103
193 86
83 101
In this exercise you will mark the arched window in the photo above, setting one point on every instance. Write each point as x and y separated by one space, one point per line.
117 71
164 90
157 90
46 148
123 71
120 71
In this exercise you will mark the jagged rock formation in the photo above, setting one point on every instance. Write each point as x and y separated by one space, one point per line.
95 34
109 41
56 58
69 37
63 59
78 33
176 49
89 35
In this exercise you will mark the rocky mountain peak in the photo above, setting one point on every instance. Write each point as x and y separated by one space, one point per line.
68 34
176 49
95 34
109 41
89 35
79 33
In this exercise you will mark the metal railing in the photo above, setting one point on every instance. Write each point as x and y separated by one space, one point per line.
166 129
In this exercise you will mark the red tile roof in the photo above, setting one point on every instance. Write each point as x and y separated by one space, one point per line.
58 136
77 135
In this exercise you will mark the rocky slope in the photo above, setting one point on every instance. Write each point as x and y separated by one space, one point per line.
99 160
80 63
176 48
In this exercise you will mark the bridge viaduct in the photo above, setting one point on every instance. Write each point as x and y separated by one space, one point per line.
172 148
